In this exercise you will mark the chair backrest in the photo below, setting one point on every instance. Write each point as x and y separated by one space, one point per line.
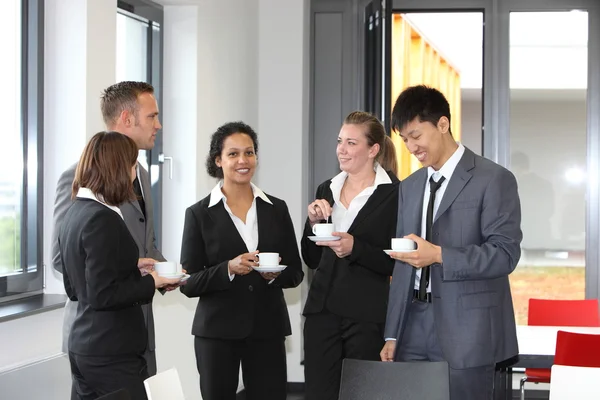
369 380
577 349
569 383
563 312
164 386
122 394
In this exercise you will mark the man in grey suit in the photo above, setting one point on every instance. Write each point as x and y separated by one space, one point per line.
450 298
129 108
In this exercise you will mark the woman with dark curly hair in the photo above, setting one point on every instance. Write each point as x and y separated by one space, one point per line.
241 315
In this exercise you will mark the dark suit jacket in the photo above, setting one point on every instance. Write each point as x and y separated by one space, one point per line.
248 305
100 259
141 229
477 225
355 286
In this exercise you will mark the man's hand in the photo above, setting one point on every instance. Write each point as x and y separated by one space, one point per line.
146 265
387 353
426 253
270 275
343 247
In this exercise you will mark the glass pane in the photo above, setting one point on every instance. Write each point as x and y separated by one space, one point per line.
132 49
444 51
11 174
548 84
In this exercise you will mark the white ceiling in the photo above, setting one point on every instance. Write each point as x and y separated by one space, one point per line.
547 50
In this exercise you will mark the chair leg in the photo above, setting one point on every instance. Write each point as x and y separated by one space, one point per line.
522 387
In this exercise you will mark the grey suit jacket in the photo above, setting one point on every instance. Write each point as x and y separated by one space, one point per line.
141 228
478 226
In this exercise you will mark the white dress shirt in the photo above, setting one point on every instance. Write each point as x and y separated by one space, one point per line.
446 171
343 218
248 230
85 193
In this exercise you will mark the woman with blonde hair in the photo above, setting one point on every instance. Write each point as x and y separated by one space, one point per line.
102 272
389 161
346 305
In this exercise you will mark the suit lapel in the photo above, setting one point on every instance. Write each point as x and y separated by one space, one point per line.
460 178
219 213
264 218
412 205
378 196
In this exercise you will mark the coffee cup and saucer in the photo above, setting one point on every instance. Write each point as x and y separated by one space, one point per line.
323 233
269 262
402 245
170 269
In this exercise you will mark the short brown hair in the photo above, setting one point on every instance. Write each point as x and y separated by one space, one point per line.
105 168
375 132
120 97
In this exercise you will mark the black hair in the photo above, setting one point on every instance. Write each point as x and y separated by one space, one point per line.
423 102
216 144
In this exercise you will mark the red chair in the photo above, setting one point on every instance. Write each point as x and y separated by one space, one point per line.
577 349
544 312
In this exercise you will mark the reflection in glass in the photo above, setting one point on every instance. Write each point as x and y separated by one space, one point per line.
548 81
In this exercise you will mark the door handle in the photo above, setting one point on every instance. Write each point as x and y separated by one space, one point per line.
162 158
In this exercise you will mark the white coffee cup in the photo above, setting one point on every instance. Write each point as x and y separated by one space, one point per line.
268 259
403 244
323 229
166 268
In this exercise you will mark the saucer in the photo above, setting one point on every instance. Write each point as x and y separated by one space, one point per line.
184 277
398 251
270 268
324 238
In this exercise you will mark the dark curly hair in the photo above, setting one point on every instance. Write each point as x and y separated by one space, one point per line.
216 144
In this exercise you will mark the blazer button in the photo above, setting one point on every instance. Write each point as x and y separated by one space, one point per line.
250 288
141 219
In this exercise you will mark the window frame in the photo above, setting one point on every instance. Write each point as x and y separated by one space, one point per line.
30 281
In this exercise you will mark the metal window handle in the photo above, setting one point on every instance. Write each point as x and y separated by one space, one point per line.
162 158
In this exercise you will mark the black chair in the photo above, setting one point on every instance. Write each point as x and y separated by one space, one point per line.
121 394
376 380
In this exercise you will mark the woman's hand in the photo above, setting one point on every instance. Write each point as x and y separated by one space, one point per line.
343 247
242 264
161 282
270 275
319 210
146 265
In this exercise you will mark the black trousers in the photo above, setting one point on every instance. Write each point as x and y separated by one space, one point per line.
264 369
328 339
96 376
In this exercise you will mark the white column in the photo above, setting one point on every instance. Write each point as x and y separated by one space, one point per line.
283 129
79 62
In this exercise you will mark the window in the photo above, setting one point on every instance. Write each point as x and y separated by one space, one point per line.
21 269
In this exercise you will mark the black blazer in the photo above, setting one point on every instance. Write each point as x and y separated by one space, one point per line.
100 259
248 306
355 286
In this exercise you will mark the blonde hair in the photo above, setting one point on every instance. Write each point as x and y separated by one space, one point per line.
388 160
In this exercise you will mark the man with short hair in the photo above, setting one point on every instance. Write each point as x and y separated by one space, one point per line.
129 108
450 299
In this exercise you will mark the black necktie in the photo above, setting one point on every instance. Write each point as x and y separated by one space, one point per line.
138 192
424 280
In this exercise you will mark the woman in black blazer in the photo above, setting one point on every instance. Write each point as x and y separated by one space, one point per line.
101 271
346 305
241 314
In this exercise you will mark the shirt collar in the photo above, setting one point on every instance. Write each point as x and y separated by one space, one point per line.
337 182
85 193
450 165
217 195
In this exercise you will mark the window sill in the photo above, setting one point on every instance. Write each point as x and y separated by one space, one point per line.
31 305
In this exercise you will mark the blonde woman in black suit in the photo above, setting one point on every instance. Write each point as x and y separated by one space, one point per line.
102 272
346 305
241 315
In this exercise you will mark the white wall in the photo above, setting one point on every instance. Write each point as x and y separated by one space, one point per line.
224 60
